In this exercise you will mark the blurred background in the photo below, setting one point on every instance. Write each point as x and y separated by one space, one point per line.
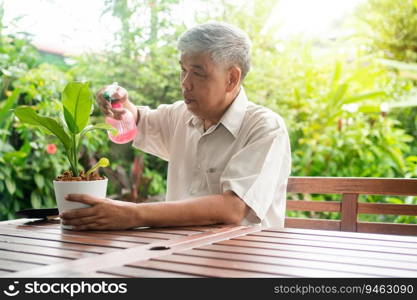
342 74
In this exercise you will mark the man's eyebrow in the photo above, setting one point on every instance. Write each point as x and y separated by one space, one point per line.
200 67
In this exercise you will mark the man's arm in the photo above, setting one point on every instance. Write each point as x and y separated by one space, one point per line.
133 109
226 208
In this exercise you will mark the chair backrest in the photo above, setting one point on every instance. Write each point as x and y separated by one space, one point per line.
349 207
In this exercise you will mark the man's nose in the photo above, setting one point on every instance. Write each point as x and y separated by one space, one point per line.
186 83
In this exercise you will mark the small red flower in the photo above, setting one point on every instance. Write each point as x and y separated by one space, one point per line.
51 148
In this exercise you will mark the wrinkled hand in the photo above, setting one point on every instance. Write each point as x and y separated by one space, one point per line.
121 95
103 214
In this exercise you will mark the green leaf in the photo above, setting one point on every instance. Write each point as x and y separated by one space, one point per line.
340 92
11 186
357 98
94 127
411 158
12 156
69 120
394 200
40 182
8 172
4 111
370 108
403 104
337 72
411 67
17 157
396 157
100 126
28 115
77 101
35 200
19 193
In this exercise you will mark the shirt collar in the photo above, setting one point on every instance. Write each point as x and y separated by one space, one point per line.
233 117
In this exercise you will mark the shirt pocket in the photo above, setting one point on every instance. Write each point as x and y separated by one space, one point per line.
213 181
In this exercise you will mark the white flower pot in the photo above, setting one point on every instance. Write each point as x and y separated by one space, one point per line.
96 188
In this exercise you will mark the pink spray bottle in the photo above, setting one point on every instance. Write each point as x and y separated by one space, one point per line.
126 126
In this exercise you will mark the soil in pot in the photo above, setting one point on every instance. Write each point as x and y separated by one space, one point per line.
67 176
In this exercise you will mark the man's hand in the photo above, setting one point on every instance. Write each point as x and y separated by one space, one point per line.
122 97
103 214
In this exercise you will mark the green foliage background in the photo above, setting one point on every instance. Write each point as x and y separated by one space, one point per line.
349 102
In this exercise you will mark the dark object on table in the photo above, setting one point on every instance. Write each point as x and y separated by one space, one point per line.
41 213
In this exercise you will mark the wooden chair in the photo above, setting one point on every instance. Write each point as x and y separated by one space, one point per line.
349 207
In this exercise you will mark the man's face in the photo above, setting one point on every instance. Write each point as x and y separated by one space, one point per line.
203 86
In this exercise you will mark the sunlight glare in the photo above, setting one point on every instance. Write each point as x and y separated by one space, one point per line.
310 18
70 27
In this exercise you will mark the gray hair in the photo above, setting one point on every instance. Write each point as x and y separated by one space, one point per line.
227 45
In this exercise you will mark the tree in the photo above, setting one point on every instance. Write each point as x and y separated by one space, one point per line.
389 26
144 60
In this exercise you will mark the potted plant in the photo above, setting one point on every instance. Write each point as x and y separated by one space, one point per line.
77 103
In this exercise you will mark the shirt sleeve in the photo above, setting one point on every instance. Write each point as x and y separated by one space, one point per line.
260 170
153 130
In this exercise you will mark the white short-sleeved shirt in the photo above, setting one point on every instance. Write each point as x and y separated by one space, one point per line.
247 152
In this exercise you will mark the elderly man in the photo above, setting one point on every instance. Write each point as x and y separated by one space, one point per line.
229 159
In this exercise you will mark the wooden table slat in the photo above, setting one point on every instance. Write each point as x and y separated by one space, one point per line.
333 239
141 272
5 273
174 231
66 238
145 234
20 241
11 265
99 235
28 257
197 270
45 251
361 235
100 275
205 228
322 244
158 233
314 249
305 263
281 270
374 261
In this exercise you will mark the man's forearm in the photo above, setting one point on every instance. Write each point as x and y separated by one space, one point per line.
133 109
212 209
227 208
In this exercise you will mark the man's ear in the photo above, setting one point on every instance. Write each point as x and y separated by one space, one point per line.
233 78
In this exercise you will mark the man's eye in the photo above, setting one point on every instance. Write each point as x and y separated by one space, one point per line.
198 74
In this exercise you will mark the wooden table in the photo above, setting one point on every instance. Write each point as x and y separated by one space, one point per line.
41 249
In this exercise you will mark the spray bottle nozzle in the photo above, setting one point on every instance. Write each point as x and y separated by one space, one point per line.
108 93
